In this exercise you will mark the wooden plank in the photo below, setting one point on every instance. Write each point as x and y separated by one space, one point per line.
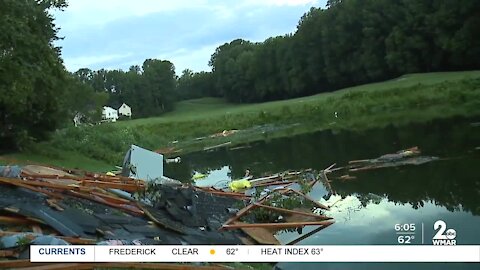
37 229
239 214
276 183
276 225
224 193
111 198
18 183
125 187
154 219
53 203
262 179
304 236
262 236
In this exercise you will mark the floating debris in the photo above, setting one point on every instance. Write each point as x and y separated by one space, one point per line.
408 156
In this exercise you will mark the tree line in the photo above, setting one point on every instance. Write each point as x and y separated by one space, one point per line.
350 42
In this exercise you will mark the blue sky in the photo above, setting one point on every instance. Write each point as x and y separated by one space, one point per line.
115 34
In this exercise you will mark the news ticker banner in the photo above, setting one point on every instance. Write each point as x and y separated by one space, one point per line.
194 253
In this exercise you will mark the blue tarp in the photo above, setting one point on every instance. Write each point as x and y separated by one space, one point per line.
10 171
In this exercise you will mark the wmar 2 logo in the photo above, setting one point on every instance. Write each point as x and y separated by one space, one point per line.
444 236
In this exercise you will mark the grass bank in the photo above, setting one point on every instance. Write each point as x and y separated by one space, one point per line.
410 98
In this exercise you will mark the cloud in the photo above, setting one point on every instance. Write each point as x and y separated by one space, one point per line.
76 63
119 33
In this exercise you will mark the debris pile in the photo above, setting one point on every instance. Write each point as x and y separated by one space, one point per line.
46 205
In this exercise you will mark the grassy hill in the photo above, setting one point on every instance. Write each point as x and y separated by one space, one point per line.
414 97
212 107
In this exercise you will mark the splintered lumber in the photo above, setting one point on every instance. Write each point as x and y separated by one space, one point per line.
292 211
242 212
304 236
276 183
157 221
310 199
49 185
111 198
223 193
71 240
265 179
285 225
121 186
53 204
249 207
18 183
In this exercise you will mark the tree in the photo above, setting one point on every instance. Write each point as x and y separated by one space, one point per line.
158 85
32 76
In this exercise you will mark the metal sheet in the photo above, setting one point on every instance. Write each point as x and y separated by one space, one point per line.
142 164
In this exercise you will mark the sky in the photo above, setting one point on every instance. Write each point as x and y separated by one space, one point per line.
115 34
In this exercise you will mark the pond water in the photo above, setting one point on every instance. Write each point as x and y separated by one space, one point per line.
447 189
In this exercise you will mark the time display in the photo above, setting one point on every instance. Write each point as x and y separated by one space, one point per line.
407 227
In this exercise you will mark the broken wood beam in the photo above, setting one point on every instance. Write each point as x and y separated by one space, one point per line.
224 193
125 187
292 211
261 179
311 199
275 225
276 183
239 214
18 183
293 242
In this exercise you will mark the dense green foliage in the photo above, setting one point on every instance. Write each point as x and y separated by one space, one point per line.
351 42
37 94
31 73
149 90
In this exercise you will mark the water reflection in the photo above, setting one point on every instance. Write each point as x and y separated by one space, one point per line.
371 204
452 182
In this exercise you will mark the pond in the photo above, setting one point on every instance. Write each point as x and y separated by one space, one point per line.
370 205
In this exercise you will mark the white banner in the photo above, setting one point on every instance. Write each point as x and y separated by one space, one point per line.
337 253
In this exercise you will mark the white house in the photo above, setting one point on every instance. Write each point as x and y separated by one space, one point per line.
125 110
77 119
109 114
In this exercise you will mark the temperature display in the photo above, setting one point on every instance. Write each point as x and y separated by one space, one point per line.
405 233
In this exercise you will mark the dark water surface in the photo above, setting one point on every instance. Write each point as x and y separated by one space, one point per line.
369 206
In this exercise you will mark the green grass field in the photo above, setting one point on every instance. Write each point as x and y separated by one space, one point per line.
213 107
410 98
